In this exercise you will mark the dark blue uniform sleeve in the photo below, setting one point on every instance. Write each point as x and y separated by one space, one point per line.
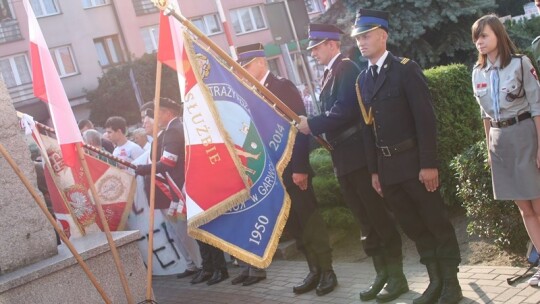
345 106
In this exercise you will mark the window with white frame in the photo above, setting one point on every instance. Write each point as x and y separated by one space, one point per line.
208 24
15 70
63 60
248 19
93 3
44 8
314 6
150 37
108 51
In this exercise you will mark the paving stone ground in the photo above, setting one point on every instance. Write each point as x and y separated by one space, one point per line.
480 284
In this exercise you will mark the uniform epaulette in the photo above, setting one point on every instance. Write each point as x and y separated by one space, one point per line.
476 65
404 60
517 55
535 40
345 58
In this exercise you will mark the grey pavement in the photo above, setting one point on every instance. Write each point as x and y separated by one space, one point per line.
480 284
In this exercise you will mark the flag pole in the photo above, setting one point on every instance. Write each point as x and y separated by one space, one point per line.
227 29
276 103
53 222
99 207
153 184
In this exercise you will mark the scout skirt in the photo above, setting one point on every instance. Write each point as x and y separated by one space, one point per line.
513 162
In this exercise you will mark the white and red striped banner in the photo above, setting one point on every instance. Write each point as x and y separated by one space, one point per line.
215 178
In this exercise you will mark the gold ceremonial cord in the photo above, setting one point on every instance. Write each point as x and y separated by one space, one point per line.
368 117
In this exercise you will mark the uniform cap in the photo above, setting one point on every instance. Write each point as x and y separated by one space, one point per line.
368 20
247 53
319 33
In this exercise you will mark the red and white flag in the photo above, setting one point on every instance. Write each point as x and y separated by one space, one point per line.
49 88
215 180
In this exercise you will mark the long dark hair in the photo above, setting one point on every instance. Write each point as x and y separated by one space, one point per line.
505 46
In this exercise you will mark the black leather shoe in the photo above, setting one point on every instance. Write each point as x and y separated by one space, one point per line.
378 283
327 283
451 292
253 280
433 291
186 274
239 279
309 283
218 276
395 287
201 276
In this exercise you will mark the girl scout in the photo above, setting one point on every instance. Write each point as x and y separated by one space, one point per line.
507 89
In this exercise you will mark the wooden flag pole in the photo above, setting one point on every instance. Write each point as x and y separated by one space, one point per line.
153 184
99 207
53 222
276 102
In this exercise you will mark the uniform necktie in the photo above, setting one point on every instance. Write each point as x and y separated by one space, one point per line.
494 81
325 75
374 72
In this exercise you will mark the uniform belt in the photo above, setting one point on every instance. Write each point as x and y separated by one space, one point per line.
345 134
512 121
405 145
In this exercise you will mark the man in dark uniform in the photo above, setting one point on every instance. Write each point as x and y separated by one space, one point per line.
305 221
401 147
170 168
340 122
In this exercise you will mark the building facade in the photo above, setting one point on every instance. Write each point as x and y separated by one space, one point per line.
86 37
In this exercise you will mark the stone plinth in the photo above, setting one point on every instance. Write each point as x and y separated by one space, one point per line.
60 279
27 236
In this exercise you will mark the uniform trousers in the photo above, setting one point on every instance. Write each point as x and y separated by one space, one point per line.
307 226
424 220
213 258
379 232
184 243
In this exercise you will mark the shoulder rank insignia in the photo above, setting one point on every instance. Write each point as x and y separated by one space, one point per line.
404 60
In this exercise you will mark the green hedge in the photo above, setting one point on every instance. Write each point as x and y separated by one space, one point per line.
325 183
458 119
499 221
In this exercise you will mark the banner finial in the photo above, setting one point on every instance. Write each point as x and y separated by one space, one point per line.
161 4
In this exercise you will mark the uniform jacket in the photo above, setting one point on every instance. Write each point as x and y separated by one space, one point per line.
171 155
287 92
339 112
402 109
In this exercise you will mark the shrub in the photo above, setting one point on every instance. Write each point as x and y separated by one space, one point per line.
458 119
338 217
325 183
497 220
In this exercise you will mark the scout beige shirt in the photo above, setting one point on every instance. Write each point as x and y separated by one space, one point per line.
513 99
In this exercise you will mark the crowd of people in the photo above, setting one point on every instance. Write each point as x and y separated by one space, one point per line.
381 125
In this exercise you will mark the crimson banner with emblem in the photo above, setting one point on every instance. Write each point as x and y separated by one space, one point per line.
70 194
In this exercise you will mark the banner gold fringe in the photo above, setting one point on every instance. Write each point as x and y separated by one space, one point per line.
193 224
240 197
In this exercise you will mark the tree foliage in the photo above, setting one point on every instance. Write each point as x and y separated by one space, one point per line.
510 7
523 32
115 96
430 32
